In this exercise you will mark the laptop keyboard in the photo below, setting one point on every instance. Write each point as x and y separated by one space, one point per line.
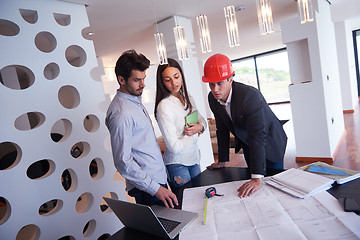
168 224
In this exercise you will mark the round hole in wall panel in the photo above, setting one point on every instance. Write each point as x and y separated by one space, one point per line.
104 236
40 169
29 120
69 180
5 210
91 123
61 130
69 97
104 207
8 28
96 73
17 77
10 155
75 55
28 232
117 177
89 228
80 149
30 16
45 42
84 202
87 33
50 207
62 19
96 168
68 237
51 71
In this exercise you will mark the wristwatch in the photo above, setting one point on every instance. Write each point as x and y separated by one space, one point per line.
203 130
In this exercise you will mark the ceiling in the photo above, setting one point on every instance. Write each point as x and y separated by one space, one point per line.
119 25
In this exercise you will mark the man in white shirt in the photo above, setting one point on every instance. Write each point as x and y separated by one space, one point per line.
136 153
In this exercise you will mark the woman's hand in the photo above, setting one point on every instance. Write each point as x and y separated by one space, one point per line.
193 129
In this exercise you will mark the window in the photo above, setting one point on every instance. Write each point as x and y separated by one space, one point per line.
356 39
245 72
268 72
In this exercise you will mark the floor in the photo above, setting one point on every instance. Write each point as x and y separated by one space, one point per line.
348 155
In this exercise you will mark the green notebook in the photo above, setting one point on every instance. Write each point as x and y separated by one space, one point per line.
191 118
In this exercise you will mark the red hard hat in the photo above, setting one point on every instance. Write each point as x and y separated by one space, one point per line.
217 68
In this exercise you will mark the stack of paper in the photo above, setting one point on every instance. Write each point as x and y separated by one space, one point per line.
299 183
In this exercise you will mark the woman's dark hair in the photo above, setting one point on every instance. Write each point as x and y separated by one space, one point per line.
128 61
161 90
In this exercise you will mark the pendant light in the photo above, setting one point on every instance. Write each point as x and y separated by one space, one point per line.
305 11
159 40
265 16
204 33
231 26
160 48
180 40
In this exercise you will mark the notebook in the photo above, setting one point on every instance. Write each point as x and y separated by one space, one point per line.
340 175
156 220
299 183
191 118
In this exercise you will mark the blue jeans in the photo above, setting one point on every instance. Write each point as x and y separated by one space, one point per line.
144 198
180 174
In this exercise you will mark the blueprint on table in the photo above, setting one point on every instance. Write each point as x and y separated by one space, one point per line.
267 214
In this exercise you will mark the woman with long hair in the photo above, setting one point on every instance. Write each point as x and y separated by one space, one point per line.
172 105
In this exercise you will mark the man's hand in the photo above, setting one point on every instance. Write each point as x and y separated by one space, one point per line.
249 187
216 165
167 197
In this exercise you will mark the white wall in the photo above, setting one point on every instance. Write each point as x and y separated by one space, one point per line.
24 196
315 99
345 52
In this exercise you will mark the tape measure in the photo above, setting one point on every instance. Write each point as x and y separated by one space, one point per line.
211 191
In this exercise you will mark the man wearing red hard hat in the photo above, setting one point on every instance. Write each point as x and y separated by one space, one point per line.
243 111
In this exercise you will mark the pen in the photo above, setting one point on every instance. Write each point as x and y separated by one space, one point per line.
205 210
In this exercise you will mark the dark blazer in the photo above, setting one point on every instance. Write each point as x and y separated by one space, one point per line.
256 128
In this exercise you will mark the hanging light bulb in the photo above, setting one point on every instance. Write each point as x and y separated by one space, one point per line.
160 48
204 33
265 16
181 45
305 11
159 40
231 26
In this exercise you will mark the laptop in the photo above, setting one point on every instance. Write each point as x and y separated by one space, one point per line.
156 220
